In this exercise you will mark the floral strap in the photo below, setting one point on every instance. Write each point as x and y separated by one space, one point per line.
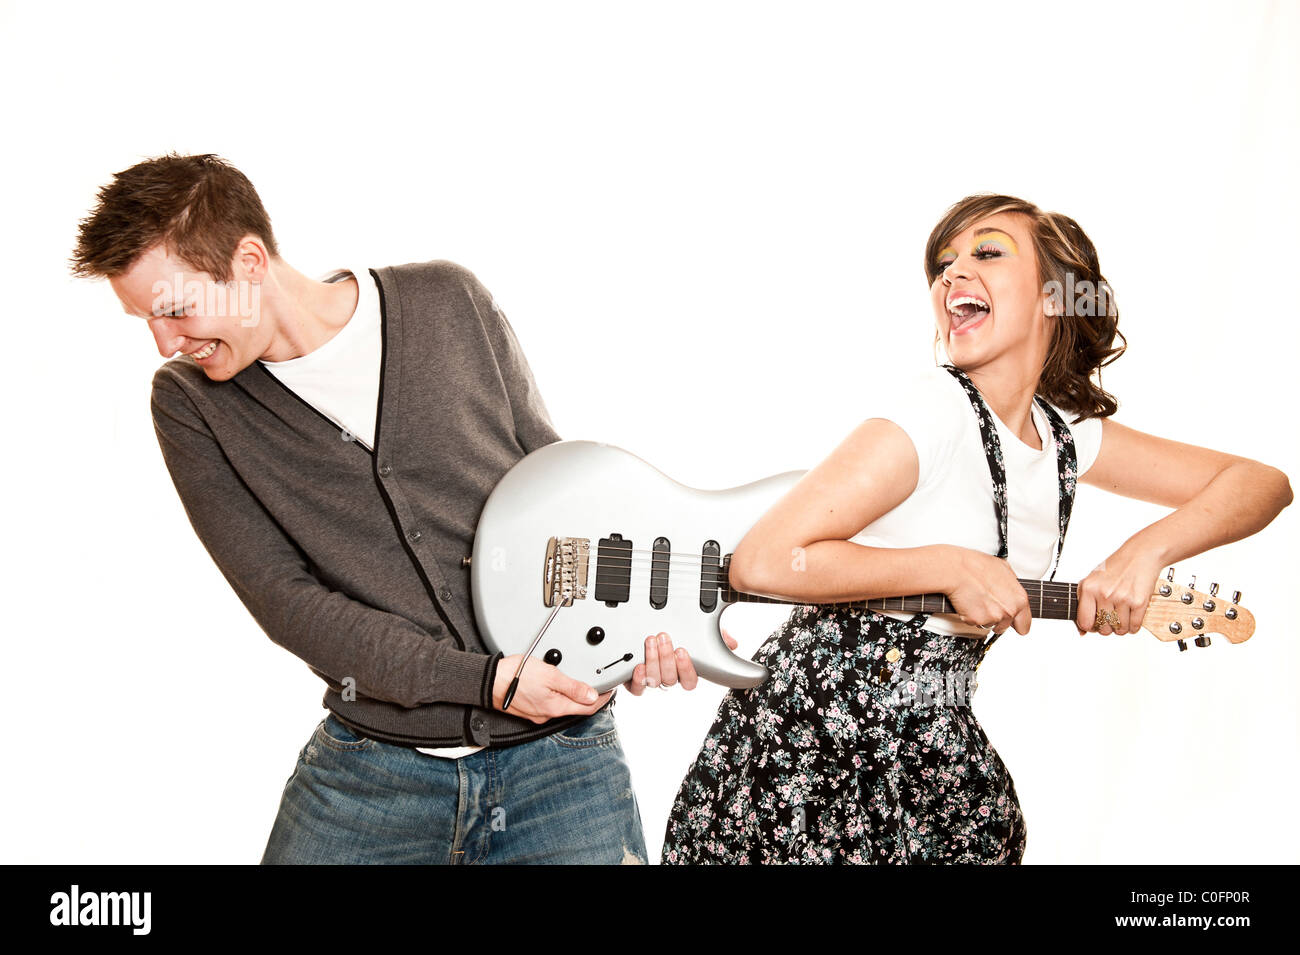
1066 466
992 451
1067 469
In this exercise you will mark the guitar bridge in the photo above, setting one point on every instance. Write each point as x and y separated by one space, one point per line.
564 575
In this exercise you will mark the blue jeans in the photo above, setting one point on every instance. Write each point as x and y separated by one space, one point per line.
564 798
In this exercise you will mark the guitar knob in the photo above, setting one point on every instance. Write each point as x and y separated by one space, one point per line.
1182 645
595 635
1203 641
553 657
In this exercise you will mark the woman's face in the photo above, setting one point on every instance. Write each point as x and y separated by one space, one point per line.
987 300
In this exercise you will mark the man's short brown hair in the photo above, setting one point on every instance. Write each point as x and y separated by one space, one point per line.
199 207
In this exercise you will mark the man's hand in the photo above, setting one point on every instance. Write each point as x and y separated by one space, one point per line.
544 692
665 666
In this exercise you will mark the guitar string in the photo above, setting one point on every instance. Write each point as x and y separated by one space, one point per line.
1066 593
716 575
613 560
1057 588
1053 592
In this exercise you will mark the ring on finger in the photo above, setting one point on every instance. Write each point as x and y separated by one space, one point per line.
1106 617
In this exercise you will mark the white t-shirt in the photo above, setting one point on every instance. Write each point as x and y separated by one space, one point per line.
953 499
341 380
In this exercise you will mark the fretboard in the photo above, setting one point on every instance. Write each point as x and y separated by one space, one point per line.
1049 599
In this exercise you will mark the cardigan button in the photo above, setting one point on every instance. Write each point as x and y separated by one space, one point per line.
385 470
892 654
414 536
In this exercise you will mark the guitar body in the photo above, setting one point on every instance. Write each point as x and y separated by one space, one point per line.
617 551
623 549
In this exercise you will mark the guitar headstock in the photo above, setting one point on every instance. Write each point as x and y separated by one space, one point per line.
1185 613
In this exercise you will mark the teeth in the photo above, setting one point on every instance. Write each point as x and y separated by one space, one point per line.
205 351
966 300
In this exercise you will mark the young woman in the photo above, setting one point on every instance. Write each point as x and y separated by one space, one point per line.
861 746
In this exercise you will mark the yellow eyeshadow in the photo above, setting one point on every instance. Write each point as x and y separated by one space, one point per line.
1011 243
995 236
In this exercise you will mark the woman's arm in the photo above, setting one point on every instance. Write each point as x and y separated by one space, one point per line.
1218 498
800 549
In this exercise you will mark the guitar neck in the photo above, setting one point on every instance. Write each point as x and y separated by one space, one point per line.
1047 599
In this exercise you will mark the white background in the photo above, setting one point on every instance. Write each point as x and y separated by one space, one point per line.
725 205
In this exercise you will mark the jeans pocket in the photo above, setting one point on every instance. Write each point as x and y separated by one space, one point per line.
598 729
335 734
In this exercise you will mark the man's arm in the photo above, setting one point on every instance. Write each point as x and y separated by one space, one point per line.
388 656
532 422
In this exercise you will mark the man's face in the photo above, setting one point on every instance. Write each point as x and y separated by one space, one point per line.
217 324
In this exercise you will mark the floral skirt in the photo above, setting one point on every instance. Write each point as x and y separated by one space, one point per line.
861 747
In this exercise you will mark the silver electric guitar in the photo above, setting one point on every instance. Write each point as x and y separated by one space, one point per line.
623 550
610 550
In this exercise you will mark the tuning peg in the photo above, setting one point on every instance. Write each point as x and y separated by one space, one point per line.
1236 596
1214 590
1192 585
1169 576
1182 645
1202 641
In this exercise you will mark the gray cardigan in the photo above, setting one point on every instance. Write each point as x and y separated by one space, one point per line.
351 559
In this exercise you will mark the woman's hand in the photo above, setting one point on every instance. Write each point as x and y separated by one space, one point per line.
986 592
1218 498
1123 585
665 666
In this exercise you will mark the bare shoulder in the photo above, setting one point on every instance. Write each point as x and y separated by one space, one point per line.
869 473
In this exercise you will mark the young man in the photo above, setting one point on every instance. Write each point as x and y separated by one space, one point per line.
333 443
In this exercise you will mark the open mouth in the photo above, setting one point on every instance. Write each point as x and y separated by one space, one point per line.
964 310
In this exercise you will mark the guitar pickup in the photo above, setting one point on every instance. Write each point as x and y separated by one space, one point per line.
711 578
564 574
614 570
661 553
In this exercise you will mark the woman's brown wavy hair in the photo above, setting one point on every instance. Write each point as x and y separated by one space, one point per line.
1087 321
